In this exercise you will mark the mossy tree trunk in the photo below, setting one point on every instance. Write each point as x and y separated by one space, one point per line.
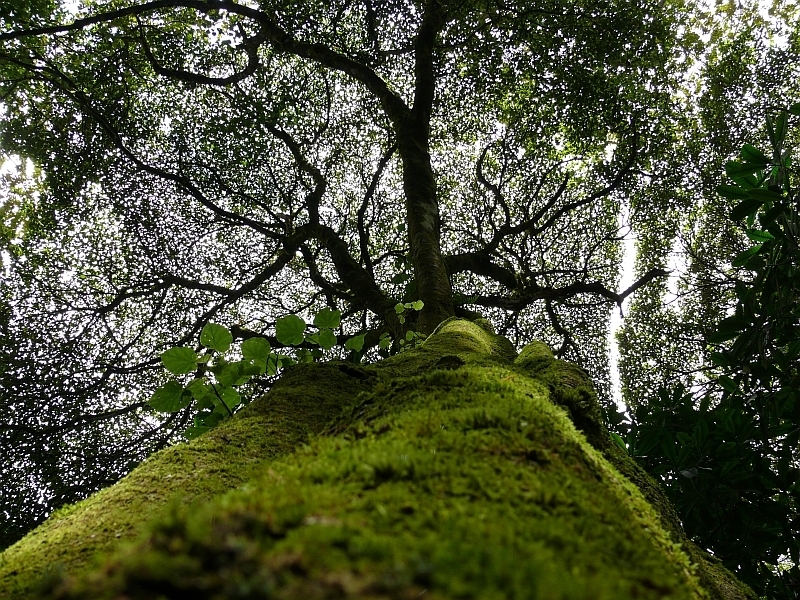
454 470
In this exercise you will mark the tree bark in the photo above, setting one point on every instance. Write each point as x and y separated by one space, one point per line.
422 201
454 470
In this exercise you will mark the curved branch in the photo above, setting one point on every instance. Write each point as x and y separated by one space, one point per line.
62 82
494 189
560 330
270 32
363 237
480 263
329 289
250 45
531 293
314 198
74 423
106 17
362 286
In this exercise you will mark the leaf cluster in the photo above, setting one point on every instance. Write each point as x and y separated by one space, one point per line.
213 391
729 457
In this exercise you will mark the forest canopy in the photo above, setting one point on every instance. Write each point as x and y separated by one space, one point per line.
174 163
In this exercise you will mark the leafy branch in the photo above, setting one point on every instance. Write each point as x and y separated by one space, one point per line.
213 389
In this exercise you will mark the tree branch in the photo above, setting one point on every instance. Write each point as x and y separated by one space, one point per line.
531 293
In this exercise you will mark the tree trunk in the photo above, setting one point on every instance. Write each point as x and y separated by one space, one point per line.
422 215
419 182
454 470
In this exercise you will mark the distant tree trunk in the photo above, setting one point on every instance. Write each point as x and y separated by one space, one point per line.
454 470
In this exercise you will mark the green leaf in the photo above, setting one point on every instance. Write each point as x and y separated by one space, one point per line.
728 384
169 398
684 439
745 208
741 259
668 447
417 305
728 329
273 364
752 155
733 192
720 358
285 361
771 132
795 109
385 342
328 318
290 329
199 389
195 431
231 373
211 419
759 236
230 396
780 130
399 308
256 349
216 337
356 343
619 441
304 356
401 278
700 432
736 169
767 196
327 339
179 360
729 466
773 213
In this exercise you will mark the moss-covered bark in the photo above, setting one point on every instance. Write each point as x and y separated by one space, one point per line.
450 471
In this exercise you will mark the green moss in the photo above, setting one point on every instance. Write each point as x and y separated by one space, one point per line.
571 388
445 472
398 509
302 403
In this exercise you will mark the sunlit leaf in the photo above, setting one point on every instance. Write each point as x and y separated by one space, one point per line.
742 258
733 192
216 337
753 156
290 330
745 208
327 339
728 384
179 360
327 318
759 236
195 431
256 349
